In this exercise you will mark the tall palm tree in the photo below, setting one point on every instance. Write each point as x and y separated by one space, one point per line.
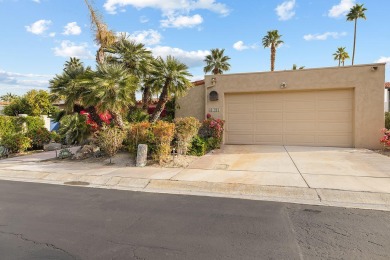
136 59
341 55
171 77
354 14
110 89
272 40
216 62
103 36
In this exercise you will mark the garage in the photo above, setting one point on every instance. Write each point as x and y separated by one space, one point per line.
309 118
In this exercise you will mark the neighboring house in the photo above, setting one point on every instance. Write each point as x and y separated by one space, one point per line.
2 105
337 106
387 97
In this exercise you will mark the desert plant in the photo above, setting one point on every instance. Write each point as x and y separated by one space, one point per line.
74 128
139 133
16 143
110 140
163 133
185 130
137 115
212 131
387 120
385 140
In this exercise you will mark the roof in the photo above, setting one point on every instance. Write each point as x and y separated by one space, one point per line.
3 103
198 82
387 84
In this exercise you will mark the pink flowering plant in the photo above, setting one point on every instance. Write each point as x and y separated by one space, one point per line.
385 140
212 132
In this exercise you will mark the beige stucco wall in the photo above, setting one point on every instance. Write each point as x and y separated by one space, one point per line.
366 81
192 104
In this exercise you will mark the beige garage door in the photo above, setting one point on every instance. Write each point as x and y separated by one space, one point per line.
312 118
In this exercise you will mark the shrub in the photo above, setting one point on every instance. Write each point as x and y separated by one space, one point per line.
16 143
212 131
74 128
198 146
10 125
39 137
185 130
110 140
54 136
137 115
33 123
385 140
163 133
139 133
387 120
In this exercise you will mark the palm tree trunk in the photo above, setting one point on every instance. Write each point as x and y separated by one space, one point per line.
117 119
94 115
100 56
273 54
163 99
146 98
339 62
354 44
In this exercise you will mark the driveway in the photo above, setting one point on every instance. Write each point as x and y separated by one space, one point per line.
294 166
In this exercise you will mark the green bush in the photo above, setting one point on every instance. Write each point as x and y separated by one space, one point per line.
163 133
55 137
198 146
137 115
387 120
74 129
10 125
139 133
185 130
39 137
16 143
212 131
33 123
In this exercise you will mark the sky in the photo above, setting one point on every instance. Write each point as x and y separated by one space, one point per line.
38 36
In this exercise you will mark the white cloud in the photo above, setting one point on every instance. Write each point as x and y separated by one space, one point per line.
148 37
39 27
240 46
37 1
168 7
341 9
52 34
72 29
143 19
19 83
190 58
182 21
285 10
70 49
383 59
323 36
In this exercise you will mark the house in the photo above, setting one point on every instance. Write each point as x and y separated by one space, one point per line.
336 106
2 105
387 96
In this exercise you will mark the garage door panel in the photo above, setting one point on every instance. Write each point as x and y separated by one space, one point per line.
269 127
269 116
296 105
300 116
278 106
312 118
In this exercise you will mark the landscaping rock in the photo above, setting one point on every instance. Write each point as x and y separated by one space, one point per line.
52 146
86 151
142 154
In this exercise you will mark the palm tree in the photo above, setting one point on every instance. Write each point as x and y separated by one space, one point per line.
272 40
67 87
355 13
110 89
171 77
341 55
136 59
103 36
295 67
216 62
8 97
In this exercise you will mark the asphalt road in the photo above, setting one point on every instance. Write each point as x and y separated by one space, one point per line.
41 221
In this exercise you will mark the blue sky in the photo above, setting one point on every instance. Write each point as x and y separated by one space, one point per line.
38 36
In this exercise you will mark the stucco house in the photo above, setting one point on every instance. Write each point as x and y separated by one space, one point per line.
336 106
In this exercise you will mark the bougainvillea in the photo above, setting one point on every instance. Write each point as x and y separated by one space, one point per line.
105 117
212 131
385 140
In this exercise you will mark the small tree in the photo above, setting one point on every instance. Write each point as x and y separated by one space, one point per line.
185 130
110 140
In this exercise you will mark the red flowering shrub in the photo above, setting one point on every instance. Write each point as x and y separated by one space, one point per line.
385 140
105 117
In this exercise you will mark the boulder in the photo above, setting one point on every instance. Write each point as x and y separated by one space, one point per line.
52 146
86 151
142 154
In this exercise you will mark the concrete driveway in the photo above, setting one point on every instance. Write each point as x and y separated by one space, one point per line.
293 166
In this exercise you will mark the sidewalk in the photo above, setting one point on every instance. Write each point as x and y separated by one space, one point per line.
202 182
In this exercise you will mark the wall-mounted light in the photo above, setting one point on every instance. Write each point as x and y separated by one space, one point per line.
283 85
374 68
213 81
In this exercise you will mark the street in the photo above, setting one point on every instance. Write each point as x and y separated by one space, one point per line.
42 221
